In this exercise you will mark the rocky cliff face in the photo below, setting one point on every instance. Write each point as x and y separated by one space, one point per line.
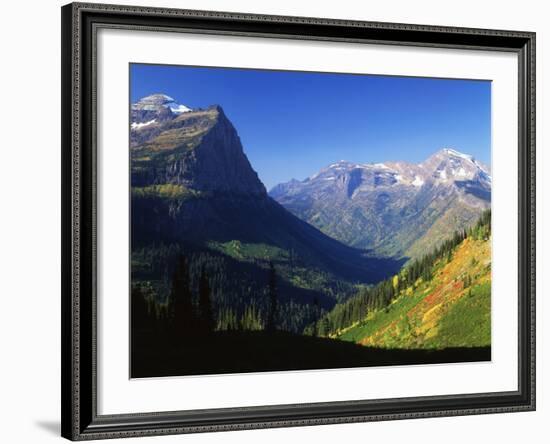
217 163
394 208
199 150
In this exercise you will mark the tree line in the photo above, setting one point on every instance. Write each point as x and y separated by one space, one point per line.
239 290
186 314
208 292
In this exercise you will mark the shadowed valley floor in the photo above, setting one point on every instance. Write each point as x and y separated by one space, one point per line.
238 352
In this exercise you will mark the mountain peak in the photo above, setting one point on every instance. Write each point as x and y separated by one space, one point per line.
450 152
158 98
340 164
449 161
156 102
208 154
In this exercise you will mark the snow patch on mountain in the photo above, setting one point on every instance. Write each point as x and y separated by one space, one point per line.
157 102
461 172
458 154
137 126
176 108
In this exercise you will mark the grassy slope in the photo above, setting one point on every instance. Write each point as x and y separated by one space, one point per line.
440 313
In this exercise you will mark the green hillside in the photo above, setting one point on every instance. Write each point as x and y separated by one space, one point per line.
451 310
440 301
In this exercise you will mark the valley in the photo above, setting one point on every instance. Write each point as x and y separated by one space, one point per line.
361 264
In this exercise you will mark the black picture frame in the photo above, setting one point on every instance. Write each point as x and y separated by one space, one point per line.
79 385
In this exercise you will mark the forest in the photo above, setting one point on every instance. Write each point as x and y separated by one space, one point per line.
192 315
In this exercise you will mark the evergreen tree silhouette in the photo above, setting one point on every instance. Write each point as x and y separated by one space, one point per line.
181 299
206 319
141 317
316 315
272 285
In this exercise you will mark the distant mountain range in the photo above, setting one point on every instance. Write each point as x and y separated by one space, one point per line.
392 208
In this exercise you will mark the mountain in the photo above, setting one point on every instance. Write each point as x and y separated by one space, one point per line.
197 150
393 208
195 192
148 115
154 106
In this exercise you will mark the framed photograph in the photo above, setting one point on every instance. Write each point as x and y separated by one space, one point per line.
281 221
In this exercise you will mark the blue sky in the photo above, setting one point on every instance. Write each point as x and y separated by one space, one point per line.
292 124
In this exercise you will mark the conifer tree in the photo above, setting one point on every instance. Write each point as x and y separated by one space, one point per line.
272 287
141 318
316 314
181 299
206 319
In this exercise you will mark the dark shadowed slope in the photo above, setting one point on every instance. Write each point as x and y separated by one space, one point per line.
240 352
